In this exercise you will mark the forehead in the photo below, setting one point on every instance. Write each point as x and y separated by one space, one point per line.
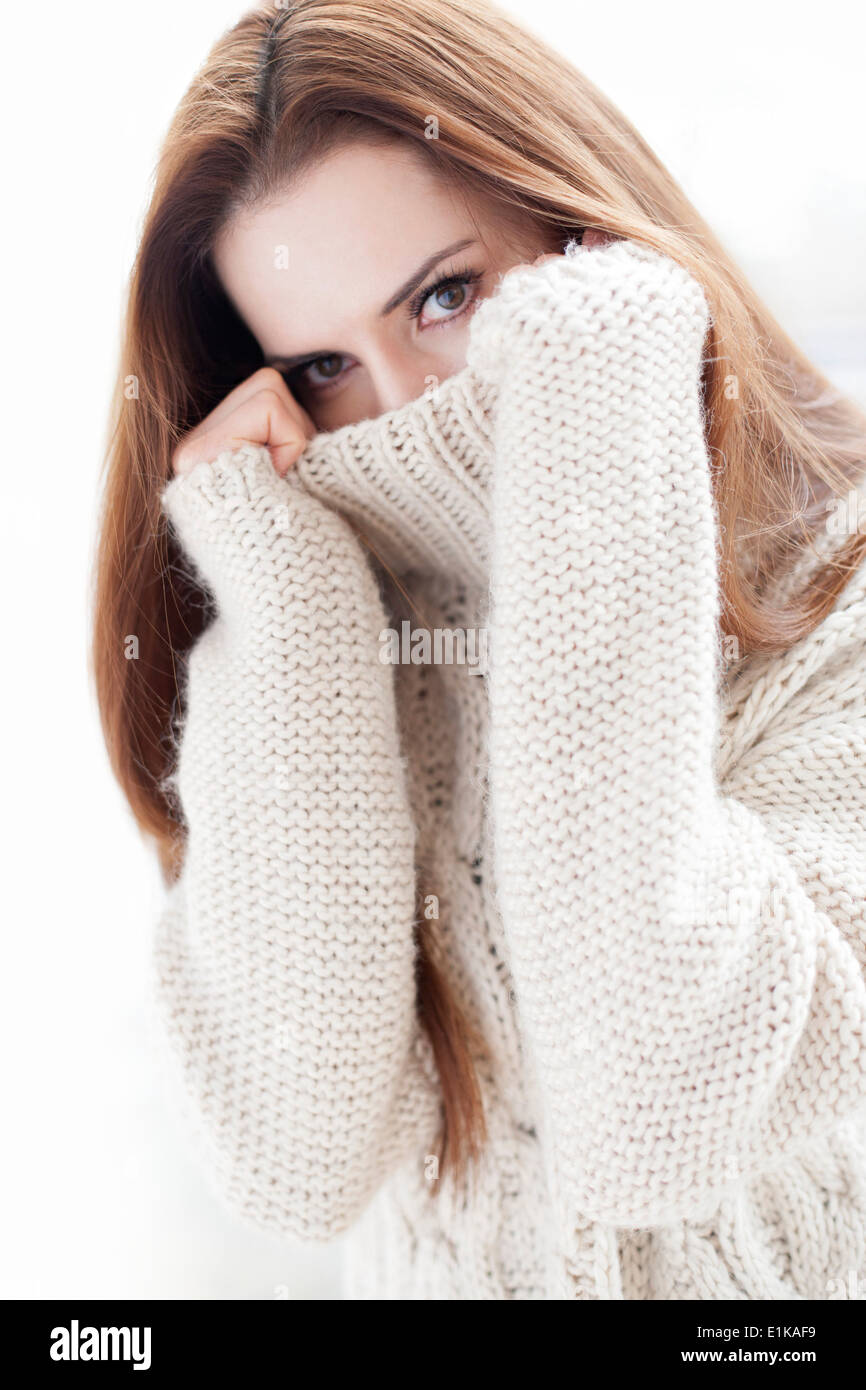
333 247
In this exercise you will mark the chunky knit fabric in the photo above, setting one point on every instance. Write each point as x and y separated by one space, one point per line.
645 866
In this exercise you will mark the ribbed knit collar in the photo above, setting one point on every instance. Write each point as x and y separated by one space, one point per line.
415 480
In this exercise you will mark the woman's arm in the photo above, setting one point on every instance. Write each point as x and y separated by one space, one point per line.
284 958
685 961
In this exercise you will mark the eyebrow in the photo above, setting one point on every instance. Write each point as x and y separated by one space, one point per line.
416 279
421 274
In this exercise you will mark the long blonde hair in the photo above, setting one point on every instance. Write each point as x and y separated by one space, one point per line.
515 122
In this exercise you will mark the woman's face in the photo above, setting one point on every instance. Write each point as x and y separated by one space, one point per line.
337 280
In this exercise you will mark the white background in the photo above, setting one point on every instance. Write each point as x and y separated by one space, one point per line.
757 110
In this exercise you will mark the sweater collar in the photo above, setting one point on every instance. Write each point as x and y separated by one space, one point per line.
415 480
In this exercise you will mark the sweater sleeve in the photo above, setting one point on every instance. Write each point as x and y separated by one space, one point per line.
284 957
687 961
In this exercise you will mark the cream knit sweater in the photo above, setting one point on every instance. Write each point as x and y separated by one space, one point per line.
649 870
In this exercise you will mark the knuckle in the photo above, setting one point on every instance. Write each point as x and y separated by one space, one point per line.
270 377
271 397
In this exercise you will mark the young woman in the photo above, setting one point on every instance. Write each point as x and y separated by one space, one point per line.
480 634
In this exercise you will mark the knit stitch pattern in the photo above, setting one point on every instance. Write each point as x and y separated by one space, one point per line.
650 879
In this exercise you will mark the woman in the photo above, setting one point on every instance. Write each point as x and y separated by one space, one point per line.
549 984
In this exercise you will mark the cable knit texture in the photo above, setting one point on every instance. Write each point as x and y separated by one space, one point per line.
648 868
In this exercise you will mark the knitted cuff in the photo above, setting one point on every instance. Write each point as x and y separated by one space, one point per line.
232 517
558 307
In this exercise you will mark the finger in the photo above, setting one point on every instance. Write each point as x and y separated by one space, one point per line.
594 236
264 418
266 378
530 265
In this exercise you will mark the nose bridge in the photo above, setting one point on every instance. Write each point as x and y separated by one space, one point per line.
397 373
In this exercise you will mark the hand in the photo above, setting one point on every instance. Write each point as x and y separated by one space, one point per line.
591 237
261 410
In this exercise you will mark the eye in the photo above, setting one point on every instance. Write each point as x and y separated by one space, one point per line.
319 374
446 299
322 370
